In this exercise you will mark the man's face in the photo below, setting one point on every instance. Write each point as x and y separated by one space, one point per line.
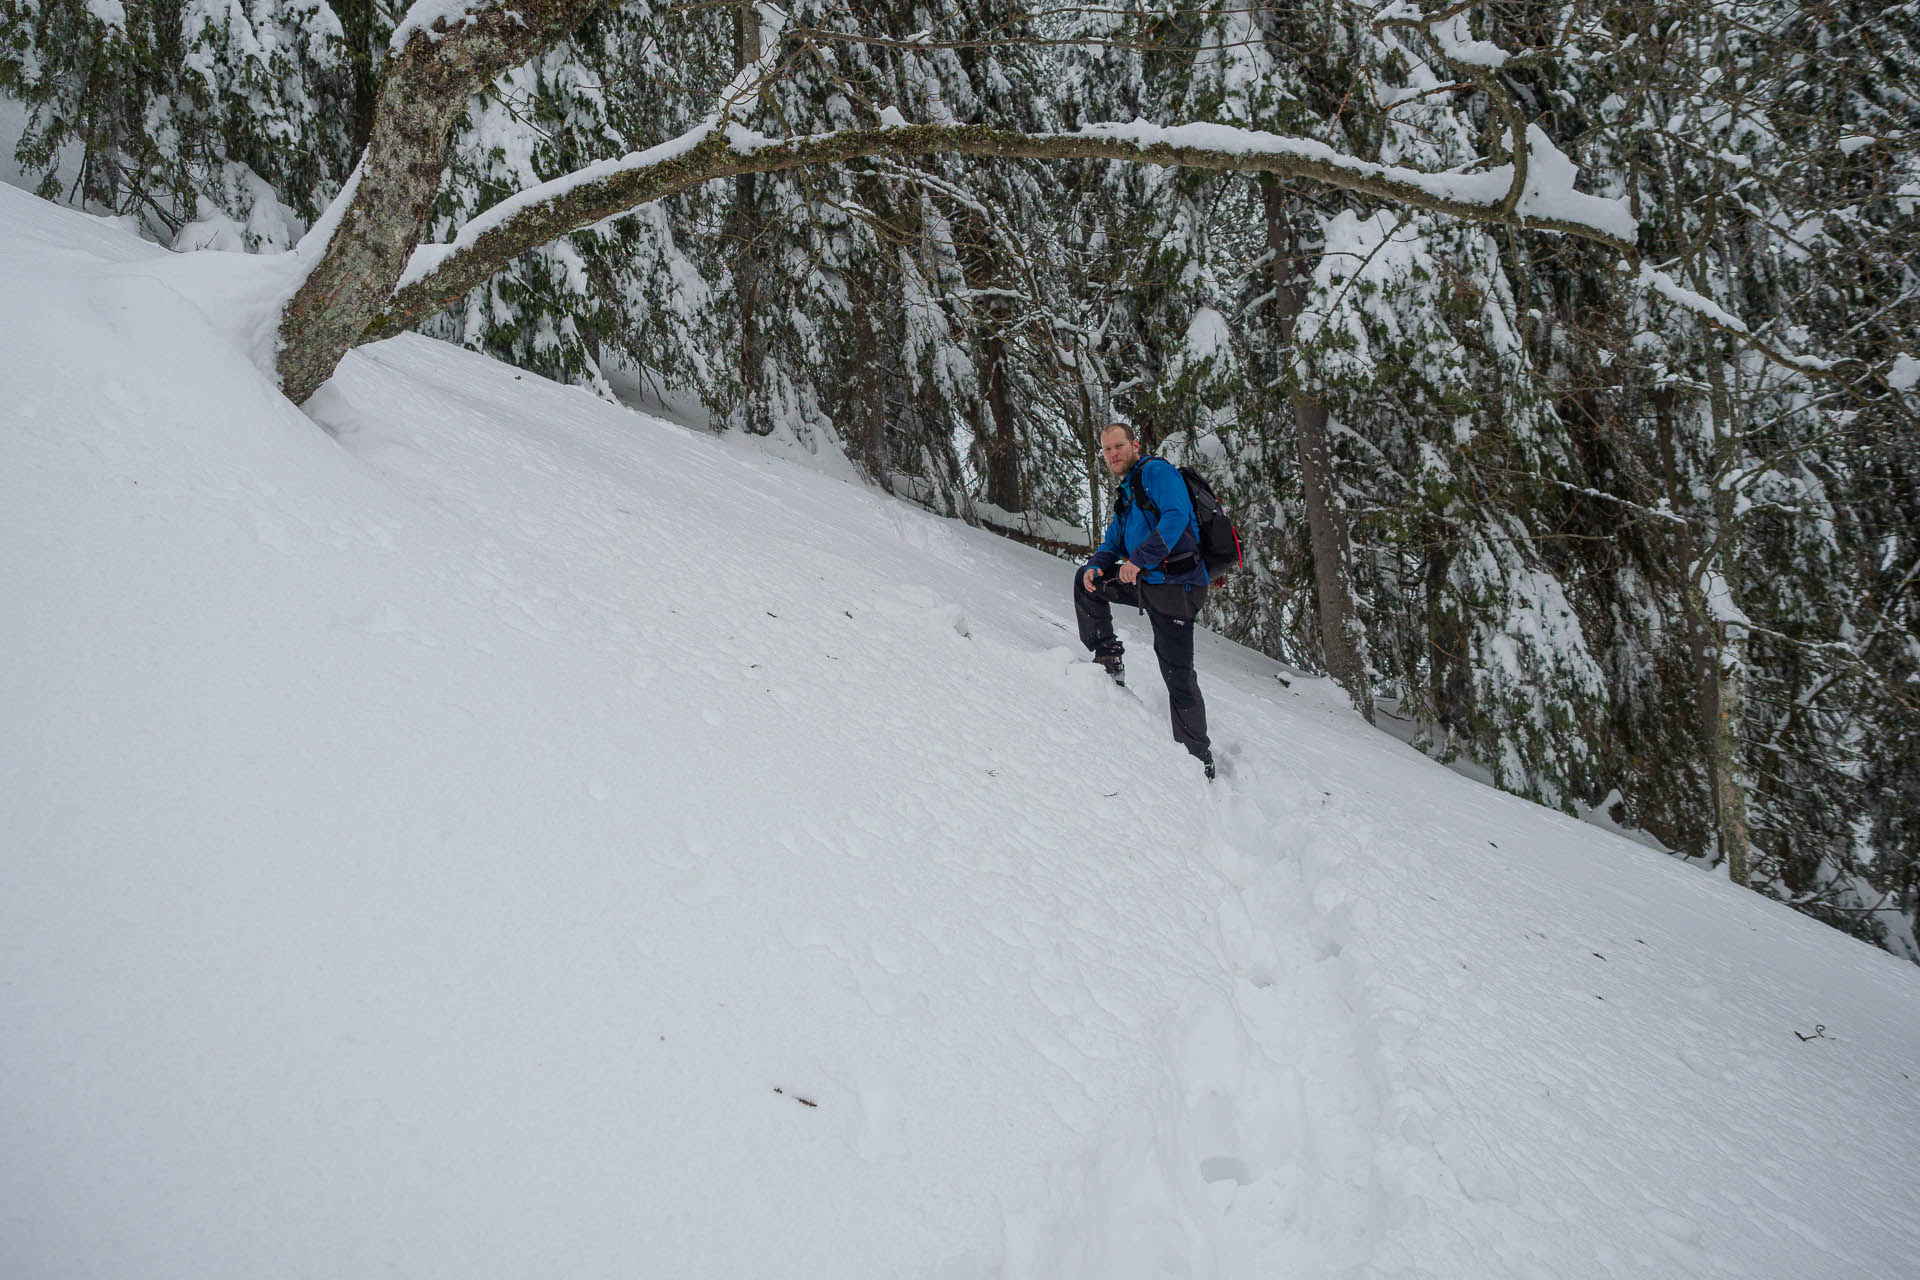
1120 452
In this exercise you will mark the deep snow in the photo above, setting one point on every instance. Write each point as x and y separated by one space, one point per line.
477 830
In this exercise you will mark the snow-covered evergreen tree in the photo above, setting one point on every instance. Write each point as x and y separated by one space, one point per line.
214 125
637 294
1761 144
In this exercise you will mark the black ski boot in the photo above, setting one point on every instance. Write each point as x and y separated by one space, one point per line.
1115 667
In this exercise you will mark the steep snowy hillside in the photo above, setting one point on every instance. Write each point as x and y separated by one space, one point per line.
477 830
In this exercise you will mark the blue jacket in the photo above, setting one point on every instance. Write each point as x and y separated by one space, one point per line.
1134 534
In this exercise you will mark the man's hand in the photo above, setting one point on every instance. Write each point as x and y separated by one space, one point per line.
1129 572
1088 579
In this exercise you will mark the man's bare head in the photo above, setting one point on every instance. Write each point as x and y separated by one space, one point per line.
1120 447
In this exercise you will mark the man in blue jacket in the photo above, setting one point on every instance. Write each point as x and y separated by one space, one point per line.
1150 559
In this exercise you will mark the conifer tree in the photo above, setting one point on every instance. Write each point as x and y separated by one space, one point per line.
212 125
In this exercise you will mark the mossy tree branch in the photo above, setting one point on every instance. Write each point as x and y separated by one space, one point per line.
425 84
575 205
358 292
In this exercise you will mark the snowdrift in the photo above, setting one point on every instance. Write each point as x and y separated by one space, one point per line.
476 830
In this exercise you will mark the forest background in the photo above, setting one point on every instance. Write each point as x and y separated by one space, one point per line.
1646 549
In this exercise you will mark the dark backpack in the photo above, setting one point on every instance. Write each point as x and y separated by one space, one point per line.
1219 540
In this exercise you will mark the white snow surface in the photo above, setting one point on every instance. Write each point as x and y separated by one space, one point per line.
477 830
109 13
425 15
1456 40
1905 374
1549 191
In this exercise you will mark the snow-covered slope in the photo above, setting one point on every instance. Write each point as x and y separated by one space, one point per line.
499 834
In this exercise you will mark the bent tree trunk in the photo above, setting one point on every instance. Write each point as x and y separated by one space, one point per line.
426 83
350 295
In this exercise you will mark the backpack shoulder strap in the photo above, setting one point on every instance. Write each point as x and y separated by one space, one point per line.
1137 483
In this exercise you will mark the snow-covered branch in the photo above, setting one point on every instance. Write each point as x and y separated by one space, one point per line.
1451 38
1718 317
444 52
1545 201
372 279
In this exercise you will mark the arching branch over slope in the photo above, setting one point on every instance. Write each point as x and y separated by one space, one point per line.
364 250
441 273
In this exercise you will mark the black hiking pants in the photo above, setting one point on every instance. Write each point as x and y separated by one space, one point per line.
1171 610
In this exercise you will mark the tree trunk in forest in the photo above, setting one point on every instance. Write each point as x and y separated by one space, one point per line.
1342 635
1096 509
1002 447
1089 438
871 443
989 279
746 232
1722 713
873 293
743 232
390 195
1449 689
356 28
1715 580
1717 666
